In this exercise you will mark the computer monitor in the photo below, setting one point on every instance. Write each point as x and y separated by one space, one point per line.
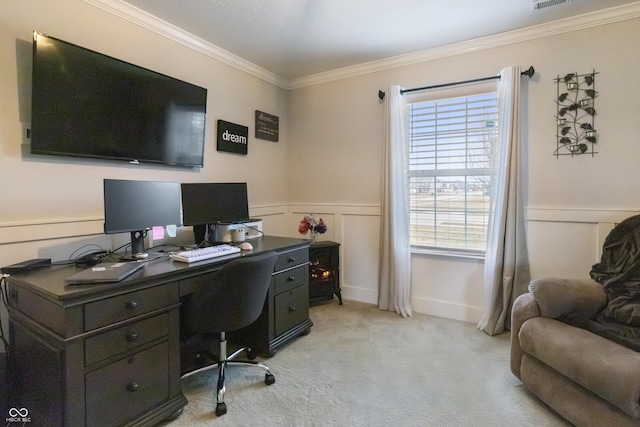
137 206
205 204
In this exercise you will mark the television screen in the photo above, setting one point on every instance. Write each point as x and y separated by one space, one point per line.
87 104
208 203
137 206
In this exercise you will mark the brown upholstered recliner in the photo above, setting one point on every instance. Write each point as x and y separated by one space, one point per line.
586 378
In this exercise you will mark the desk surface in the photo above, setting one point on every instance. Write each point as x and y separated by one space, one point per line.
49 282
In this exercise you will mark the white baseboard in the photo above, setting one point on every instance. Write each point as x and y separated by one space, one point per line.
447 310
368 296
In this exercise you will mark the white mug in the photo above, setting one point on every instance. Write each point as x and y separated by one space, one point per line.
237 235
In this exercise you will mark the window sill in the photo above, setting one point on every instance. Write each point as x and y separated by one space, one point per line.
425 250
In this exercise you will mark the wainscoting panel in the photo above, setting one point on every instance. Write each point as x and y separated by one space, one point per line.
360 257
274 218
19 232
357 229
562 242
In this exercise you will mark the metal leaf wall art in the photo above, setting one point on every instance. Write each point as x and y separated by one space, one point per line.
575 115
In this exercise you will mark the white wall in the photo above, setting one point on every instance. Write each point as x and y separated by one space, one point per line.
337 129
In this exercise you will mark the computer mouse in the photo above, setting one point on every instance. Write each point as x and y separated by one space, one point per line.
245 246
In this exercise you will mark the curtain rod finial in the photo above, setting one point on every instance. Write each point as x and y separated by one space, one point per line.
529 72
381 95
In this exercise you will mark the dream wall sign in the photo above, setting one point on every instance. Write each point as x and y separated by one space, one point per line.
232 138
267 126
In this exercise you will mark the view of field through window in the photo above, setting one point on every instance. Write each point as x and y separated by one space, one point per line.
450 156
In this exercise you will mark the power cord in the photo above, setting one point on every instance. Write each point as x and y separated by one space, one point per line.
255 229
126 245
83 250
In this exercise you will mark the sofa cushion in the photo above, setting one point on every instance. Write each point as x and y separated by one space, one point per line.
558 297
599 365
574 402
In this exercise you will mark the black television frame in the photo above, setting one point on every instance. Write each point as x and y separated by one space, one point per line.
90 105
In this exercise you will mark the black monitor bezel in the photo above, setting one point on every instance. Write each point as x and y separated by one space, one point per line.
136 206
212 200
80 110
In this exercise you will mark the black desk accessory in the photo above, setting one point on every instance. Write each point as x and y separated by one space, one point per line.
26 265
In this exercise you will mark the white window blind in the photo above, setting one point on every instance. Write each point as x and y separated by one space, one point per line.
451 142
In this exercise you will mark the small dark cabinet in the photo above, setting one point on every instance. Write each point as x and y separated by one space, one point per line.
324 272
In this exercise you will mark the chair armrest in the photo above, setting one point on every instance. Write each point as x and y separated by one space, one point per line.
553 298
559 297
524 308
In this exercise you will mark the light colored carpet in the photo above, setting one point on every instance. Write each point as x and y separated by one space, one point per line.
363 367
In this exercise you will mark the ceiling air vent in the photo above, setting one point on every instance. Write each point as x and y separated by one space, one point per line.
541 4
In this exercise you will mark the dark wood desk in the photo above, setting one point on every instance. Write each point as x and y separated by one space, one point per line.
110 354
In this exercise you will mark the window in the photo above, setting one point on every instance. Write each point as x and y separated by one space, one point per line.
450 150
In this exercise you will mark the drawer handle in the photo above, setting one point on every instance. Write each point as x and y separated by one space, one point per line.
291 278
132 386
131 337
292 308
292 259
132 305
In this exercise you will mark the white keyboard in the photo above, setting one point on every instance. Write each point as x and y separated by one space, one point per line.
205 253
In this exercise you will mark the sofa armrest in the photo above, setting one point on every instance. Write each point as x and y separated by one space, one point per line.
559 297
552 298
524 308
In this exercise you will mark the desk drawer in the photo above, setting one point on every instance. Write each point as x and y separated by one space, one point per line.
120 391
291 308
121 307
291 259
290 279
116 341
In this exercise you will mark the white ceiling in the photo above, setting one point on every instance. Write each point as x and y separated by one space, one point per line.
298 38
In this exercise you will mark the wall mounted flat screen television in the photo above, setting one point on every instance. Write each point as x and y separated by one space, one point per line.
86 104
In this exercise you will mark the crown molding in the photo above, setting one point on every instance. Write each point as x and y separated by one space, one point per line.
146 20
589 20
580 22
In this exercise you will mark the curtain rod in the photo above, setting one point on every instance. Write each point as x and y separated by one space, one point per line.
528 72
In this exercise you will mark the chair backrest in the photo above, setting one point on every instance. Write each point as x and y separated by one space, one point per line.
233 299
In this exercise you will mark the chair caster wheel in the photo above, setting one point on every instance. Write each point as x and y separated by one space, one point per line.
221 409
269 379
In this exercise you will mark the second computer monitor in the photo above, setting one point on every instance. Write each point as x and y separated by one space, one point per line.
208 203
205 204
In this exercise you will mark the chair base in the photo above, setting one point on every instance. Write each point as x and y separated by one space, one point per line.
221 407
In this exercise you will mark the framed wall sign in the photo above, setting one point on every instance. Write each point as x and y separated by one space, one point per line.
267 126
232 138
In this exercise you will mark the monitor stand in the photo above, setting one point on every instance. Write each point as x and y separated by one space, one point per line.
137 242
200 233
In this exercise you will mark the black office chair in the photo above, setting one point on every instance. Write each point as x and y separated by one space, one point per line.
234 300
